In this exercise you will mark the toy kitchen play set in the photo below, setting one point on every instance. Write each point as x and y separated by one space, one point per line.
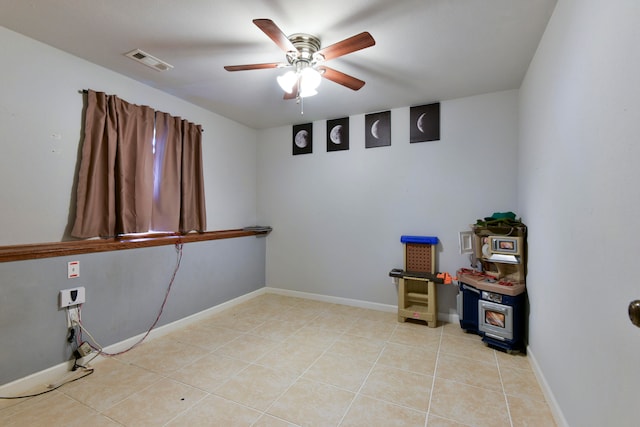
491 298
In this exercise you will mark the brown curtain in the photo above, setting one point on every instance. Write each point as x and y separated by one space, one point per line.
117 192
192 207
168 168
179 185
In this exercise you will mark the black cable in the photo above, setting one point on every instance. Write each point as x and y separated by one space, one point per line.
73 333
75 366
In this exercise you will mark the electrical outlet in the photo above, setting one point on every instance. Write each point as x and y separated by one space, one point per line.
73 316
73 296
73 269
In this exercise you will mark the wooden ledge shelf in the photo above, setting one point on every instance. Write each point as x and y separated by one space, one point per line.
56 249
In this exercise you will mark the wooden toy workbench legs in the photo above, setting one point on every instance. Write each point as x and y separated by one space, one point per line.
417 300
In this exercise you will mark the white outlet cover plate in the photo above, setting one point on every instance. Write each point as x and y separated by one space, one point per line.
73 269
66 297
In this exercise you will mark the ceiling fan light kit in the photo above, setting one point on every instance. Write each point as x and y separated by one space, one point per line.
287 81
309 81
303 52
305 79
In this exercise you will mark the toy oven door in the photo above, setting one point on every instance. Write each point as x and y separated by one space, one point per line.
495 320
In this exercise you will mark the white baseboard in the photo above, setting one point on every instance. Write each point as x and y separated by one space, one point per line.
57 373
445 317
449 317
185 321
546 390
335 300
40 381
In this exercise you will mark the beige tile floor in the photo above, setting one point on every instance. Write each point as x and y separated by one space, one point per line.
283 361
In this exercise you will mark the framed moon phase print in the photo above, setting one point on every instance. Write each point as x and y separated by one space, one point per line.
303 139
377 128
338 134
425 123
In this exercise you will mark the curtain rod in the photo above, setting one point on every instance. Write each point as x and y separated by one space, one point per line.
83 91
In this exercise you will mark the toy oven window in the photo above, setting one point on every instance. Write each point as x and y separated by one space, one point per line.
495 318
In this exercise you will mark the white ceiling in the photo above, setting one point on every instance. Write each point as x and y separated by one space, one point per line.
426 50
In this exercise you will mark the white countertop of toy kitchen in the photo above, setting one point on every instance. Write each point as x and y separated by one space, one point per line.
484 283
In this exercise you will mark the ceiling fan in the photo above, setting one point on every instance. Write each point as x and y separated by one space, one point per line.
304 54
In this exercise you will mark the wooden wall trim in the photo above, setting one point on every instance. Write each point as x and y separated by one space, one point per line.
56 249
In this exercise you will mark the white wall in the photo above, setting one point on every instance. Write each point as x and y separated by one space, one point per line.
40 127
40 134
579 194
338 216
124 293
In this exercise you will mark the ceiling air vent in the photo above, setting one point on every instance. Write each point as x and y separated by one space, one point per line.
148 60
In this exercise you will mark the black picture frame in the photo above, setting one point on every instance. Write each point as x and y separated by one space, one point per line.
424 123
377 128
302 139
338 134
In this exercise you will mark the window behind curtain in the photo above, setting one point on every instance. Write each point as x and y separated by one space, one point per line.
125 184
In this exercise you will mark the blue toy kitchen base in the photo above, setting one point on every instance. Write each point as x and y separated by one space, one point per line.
493 311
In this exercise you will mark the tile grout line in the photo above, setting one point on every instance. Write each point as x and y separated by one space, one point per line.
164 375
340 333
504 392
167 376
249 364
207 394
366 378
433 382
265 412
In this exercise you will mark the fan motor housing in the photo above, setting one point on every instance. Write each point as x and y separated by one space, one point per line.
307 46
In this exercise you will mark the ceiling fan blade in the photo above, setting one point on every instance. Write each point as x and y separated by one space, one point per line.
253 66
275 33
352 44
341 78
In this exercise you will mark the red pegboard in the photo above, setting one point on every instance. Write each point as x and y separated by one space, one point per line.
419 257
